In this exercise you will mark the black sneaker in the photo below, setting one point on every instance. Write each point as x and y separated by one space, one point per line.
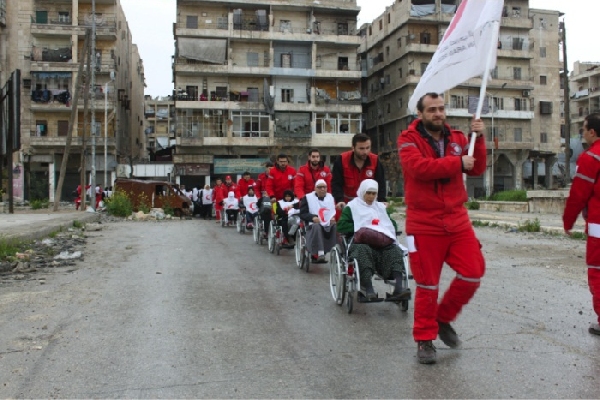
594 329
448 335
426 352
370 292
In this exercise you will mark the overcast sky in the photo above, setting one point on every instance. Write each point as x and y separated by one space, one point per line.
151 24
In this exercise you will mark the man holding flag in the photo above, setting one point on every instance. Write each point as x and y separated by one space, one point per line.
433 158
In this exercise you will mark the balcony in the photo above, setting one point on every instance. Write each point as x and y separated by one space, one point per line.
516 22
506 113
59 143
60 100
52 23
106 25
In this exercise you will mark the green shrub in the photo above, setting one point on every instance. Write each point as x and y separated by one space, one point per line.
39 204
9 248
472 205
578 236
510 195
77 224
119 205
530 226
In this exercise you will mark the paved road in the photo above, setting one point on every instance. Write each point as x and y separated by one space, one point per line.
187 309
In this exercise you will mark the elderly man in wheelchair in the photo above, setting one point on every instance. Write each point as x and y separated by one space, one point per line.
317 210
374 244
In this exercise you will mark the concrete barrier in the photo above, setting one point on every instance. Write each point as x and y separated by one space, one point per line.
547 201
504 206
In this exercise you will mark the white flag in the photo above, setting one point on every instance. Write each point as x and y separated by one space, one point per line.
463 52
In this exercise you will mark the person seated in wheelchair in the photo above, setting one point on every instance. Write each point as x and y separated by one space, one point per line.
265 212
367 219
250 207
317 210
285 212
232 207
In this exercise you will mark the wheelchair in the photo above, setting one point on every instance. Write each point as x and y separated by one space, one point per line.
225 219
262 222
240 222
300 250
344 277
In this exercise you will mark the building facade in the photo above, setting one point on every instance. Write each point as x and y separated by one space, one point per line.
584 83
255 79
523 119
44 39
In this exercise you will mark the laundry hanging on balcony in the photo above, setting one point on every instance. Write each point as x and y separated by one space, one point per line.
208 50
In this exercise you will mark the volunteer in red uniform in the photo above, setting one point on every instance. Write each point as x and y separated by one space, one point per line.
281 178
244 183
231 187
261 182
585 196
310 173
433 158
219 194
354 166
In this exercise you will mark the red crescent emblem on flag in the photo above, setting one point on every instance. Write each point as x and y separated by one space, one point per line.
322 212
455 20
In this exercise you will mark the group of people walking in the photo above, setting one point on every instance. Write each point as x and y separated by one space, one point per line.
352 197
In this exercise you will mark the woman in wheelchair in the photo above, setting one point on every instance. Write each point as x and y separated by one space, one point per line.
287 208
249 203
383 256
317 210
232 207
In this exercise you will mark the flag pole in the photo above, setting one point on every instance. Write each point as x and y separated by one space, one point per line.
484 80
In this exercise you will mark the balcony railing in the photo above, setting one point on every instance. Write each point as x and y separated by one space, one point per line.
51 18
52 53
102 21
253 25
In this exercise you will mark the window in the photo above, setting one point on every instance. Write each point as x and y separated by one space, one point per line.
285 25
495 72
287 95
399 42
63 128
192 93
370 30
63 17
41 17
520 104
423 68
389 18
542 79
543 137
425 38
542 23
518 134
342 63
545 107
518 43
497 103
542 52
389 108
221 92
252 59
516 12
380 24
400 72
191 22
457 102
387 80
342 29
387 51
400 105
517 73
41 128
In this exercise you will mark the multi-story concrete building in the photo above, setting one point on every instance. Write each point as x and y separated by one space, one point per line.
523 121
254 79
159 128
44 39
584 83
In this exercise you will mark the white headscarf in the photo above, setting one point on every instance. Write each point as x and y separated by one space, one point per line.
320 182
374 215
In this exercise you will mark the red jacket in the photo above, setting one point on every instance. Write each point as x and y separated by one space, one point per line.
231 188
260 184
219 194
347 177
307 177
434 189
280 181
585 192
243 186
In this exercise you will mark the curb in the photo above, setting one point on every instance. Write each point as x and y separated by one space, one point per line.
42 230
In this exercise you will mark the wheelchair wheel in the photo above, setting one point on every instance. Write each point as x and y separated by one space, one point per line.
256 230
222 218
404 305
271 237
337 277
238 223
298 249
353 282
261 233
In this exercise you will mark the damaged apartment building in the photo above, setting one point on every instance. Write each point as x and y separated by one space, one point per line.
255 79
523 97
44 39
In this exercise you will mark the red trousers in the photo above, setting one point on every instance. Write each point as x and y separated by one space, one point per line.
592 259
218 210
427 254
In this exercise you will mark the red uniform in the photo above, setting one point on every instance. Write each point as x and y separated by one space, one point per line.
347 176
585 196
232 187
307 177
261 184
437 223
280 181
219 194
243 186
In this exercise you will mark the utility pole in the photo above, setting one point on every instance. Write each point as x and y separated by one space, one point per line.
567 106
65 159
85 92
93 110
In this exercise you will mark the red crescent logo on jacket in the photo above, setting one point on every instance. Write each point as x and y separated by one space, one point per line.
290 177
207 197
323 174
455 149
369 173
252 206
322 212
